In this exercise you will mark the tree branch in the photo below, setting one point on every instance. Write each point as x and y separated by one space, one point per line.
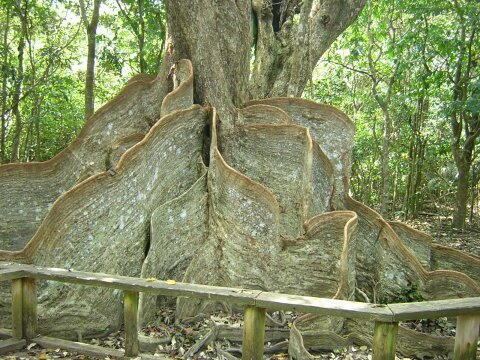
360 71
83 13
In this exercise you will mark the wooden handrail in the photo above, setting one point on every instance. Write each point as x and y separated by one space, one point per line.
386 317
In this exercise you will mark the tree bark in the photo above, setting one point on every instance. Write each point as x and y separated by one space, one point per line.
3 123
141 38
91 28
465 126
22 14
219 37
217 40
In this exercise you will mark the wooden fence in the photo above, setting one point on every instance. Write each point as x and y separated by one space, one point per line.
255 302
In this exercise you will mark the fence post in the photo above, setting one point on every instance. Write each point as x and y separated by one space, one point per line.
29 308
384 340
466 337
17 308
253 333
130 312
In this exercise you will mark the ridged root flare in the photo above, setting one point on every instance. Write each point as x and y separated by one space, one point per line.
264 206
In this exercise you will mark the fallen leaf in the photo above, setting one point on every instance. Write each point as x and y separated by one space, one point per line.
171 282
151 279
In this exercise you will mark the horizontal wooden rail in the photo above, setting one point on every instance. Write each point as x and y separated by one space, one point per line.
386 317
11 274
435 309
237 296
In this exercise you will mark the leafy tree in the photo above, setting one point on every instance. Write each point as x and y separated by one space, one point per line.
417 60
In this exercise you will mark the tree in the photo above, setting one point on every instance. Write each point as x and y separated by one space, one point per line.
464 114
91 28
145 19
288 37
421 66
21 9
374 52
5 67
184 176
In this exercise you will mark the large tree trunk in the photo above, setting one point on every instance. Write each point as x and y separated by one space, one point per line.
3 122
219 37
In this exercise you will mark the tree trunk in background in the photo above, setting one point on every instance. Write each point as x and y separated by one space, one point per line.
217 37
91 28
22 14
383 99
461 197
474 192
287 49
137 25
416 155
38 141
141 38
3 125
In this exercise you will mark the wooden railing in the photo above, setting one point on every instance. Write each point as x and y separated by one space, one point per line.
386 317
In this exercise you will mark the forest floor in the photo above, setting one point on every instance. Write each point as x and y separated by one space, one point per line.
440 228
170 340
174 340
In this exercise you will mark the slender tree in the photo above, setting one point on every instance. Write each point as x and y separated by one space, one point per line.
91 29
288 37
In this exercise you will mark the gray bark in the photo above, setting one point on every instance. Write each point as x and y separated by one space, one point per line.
3 125
217 40
257 217
286 51
465 126
22 14
91 28
219 37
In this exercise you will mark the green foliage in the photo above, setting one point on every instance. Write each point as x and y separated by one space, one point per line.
52 91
